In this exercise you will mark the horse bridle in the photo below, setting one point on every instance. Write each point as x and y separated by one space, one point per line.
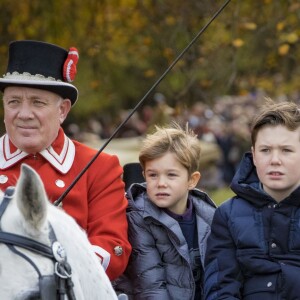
51 287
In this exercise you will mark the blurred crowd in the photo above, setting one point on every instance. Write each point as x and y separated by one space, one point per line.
225 123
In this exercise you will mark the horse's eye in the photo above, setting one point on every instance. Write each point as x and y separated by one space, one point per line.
32 296
28 295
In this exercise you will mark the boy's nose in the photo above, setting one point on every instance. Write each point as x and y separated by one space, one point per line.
161 181
275 159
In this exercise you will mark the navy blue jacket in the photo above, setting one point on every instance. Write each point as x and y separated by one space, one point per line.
253 251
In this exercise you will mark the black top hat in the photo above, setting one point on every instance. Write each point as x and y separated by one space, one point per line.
41 65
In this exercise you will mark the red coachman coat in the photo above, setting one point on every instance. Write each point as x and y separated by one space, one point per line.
96 201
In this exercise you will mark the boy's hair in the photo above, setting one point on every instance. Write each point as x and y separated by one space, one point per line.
273 114
183 143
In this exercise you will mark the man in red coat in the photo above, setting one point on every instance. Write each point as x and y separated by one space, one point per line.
37 97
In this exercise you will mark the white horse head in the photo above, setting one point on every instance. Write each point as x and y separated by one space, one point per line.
29 214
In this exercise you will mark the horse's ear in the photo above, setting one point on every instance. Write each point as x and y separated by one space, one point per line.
31 197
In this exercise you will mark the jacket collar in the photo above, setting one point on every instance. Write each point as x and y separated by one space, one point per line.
246 184
60 154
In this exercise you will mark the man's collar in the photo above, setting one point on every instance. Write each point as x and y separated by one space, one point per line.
60 154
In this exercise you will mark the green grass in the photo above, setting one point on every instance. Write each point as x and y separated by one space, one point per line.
220 195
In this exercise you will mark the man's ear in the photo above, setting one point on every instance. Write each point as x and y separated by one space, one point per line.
64 109
194 178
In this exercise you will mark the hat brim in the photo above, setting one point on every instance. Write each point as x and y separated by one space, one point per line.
65 90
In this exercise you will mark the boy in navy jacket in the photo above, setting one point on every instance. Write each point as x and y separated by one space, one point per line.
253 250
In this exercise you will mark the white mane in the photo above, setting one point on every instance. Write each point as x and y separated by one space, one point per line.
28 214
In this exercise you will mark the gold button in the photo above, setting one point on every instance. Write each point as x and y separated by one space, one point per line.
60 183
118 250
3 179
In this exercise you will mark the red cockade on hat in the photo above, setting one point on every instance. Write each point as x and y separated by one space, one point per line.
69 70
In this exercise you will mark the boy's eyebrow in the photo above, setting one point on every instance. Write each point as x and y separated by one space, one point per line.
153 170
280 146
150 170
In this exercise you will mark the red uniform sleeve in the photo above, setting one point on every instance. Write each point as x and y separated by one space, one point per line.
107 223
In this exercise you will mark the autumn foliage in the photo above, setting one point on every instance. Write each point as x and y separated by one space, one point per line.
126 45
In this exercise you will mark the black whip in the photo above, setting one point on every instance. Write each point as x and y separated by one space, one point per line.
65 193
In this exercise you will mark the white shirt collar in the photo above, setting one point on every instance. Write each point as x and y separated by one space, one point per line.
62 161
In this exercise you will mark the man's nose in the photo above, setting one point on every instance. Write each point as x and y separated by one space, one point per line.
25 111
